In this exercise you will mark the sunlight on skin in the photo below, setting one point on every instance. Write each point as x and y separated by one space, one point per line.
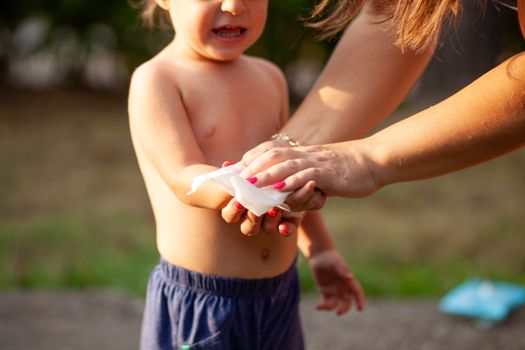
335 98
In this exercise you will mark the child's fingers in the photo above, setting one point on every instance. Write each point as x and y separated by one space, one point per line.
301 195
344 273
316 201
331 290
327 303
359 294
345 304
233 211
306 198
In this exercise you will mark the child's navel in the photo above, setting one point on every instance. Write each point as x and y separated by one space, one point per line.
265 254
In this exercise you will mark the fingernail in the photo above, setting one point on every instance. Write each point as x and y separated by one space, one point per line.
238 205
272 212
283 231
252 179
227 163
279 185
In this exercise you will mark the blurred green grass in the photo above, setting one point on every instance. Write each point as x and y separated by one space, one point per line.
74 212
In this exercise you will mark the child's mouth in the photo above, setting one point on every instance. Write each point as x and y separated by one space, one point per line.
229 32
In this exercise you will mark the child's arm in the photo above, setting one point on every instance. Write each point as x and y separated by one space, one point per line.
335 281
161 131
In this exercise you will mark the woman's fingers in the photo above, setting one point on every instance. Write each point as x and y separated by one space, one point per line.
271 158
271 220
290 175
258 150
337 170
287 227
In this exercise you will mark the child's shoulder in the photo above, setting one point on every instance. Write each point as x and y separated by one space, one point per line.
267 68
153 79
265 65
151 71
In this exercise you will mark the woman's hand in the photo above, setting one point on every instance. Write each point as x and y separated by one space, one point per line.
305 198
255 152
341 169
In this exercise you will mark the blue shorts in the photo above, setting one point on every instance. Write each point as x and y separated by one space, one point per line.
189 310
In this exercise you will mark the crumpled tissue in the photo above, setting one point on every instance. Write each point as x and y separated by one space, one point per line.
257 200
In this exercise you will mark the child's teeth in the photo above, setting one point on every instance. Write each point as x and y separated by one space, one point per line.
227 32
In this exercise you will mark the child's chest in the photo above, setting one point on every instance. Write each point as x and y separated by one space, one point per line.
230 116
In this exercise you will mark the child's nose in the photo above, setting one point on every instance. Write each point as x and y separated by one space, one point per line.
235 7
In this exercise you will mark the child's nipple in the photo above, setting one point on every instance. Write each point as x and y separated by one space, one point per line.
209 132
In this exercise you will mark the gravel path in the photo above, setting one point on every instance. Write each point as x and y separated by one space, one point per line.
110 321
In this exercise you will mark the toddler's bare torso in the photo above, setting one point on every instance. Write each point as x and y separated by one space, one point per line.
232 108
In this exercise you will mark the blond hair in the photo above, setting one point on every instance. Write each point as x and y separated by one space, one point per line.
151 14
417 24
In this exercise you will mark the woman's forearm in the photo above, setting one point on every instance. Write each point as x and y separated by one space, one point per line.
363 82
483 121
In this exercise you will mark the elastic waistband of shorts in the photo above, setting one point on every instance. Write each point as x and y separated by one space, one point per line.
228 286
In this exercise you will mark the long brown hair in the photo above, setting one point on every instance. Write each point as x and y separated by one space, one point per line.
416 24
521 16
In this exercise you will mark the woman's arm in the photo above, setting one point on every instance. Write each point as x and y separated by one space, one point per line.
363 82
365 79
483 121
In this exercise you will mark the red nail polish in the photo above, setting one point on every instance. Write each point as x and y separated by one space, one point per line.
272 213
227 163
283 231
238 205
252 179
279 185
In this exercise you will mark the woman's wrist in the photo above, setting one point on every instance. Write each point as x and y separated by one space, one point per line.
285 138
379 161
359 171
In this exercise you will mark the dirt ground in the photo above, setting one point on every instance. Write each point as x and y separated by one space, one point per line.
103 320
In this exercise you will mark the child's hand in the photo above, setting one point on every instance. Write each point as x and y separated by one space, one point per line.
335 282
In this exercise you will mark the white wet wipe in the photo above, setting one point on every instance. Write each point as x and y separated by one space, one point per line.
257 200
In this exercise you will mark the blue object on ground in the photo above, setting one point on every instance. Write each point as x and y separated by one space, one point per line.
483 299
